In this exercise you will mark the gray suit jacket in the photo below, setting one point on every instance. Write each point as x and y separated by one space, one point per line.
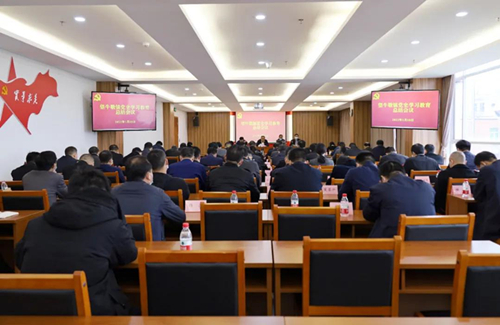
252 167
37 180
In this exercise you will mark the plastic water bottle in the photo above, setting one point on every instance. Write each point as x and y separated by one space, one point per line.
234 198
5 187
294 200
186 238
344 206
466 189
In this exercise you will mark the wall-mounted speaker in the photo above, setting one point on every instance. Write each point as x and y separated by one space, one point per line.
196 120
329 120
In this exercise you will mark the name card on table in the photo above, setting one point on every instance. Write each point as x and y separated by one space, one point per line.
194 205
267 180
426 179
457 190
268 172
351 208
8 214
330 189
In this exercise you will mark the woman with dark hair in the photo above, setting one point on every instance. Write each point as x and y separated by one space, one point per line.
321 160
84 232
332 147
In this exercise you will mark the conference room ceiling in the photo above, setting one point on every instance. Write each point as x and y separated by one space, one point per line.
296 58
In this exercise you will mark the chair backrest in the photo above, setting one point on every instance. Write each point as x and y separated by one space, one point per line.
325 172
223 197
113 177
436 228
337 181
459 181
307 199
431 173
15 185
172 160
192 283
335 280
315 222
24 200
476 285
176 197
44 295
361 199
141 226
226 221
443 167
193 184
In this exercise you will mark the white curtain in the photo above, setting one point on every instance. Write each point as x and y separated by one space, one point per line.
448 96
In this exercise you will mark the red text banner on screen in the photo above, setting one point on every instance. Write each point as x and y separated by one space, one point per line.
406 109
123 111
252 125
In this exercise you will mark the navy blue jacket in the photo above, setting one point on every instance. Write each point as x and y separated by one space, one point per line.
64 162
210 160
401 195
396 157
437 158
232 177
469 156
339 171
279 157
137 197
298 176
420 162
487 195
188 169
359 178
111 169
378 152
441 186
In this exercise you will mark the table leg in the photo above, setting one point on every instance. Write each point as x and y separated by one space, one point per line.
353 231
269 293
277 292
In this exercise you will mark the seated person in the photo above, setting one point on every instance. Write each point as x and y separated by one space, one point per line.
196 154
295 140
258 157
339 171
45 177
353 150
148 146
117 156
280 140
135 152
321 160
311 152
280 156
231 177
241 142
158 146
106 158
161 179
364 176
84 232
457 169
137 196
343 158
487 195
297 175
211 158
221 152
418 161
173 152
379 150
86 161
429 152
18 173
70 158
397 194
262 142
367 146
392 155
94 151
187 168
465 146
250 165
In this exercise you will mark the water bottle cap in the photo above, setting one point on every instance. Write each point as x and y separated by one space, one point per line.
234 192
294 191
185 225
344 195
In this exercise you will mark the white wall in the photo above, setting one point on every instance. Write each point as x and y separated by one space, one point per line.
183 126
63 121
132 139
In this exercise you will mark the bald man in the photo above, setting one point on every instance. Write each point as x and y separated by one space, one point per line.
457 169
86 161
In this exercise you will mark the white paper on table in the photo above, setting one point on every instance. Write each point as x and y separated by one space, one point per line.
330 189
194 205
8 214
426 179
351 209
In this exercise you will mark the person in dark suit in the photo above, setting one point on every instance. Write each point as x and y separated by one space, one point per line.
343 158
231 177
429 152
250 165
221 152
70 158
118 159
367 146
364 176
135 152
465 146
392 155
280 141
397 194
106 166
187 168
379 150
487 195
419 161
94 152
241 141
353 150
262 142
196 154
280 156
457 169
86 161
340 171
158 146
138 196
161 179
295 141
297 175
45 177
311 152
84 232
148 146
258 157
211 158
18 173
173 152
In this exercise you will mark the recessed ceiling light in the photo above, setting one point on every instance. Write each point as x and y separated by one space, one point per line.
80 19
331 93
310 105
120 46
148 63
384 61
262 62
209 104
415 42
260 88
260 17
260 93
260 44
186 89
341 87
315 103
462 14
194 94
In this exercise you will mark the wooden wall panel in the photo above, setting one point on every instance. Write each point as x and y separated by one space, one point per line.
361 122
214 127
105 139
169 138
312 128
344 127
387 135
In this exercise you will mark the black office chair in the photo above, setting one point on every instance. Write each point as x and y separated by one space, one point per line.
24 200
141 226
436 228
306 199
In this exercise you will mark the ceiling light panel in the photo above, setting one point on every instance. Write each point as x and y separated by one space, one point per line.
273 92
351 91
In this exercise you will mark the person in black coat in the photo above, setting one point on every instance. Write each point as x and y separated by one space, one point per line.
487 195
18 173
94 152
419 161
392 155
85 231
211 158
340 171
429 152
135 152
396 195
86 161
297 175
379 150
279 157
262 142
231 177
457 169
70 158
353 150
117 156
173 152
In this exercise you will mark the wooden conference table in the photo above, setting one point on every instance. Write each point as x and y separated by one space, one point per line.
457 205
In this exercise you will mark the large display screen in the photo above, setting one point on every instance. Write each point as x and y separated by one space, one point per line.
123 111
252 125
418 109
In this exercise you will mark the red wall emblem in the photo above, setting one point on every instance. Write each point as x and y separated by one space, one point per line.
21 99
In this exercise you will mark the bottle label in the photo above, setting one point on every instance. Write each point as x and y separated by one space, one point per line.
294 205
344 211
186 248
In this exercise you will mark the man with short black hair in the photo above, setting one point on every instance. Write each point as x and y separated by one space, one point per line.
86 161
94 152
353 150
211 158
295 140
187 168
280 140
297 175
173 152
117 156
465 146
45 177
483 159
231 177
280 156
158 146
70 158
135 152
250 165
392 155
148 146
379 150
262 142
419 161
137 197
18 173
106 158
364 176
429 152
196 154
